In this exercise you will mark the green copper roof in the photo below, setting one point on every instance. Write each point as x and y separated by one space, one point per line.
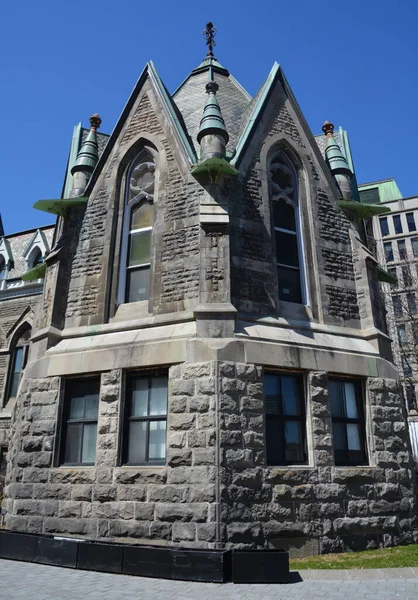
363 211
212 121
216 165
59 206
88 155
383 275
380 191
37 272
335 158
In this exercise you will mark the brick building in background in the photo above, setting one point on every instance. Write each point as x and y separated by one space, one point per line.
208 364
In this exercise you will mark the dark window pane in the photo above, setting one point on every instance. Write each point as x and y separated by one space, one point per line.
92 406
282 177
338 432
284 215
290 396
157 443
271 385
414 243
412 305
397 306
88 454
80 429
388 251
137 446
401 334
138 284
285 419
287 249
274 442
407 276
73 443
294 450
384 228
139 404
397 223
370 196
335 391
402 249
289 284
17 366
410 219
77 407
14 386
158 396
139 248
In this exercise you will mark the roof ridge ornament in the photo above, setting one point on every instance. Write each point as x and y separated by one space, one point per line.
209 34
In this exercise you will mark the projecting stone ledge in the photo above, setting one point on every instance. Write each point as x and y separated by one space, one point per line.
215 320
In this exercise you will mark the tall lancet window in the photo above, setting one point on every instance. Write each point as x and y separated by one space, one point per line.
136 245
284 190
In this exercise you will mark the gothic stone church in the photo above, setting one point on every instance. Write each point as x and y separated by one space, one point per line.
206 364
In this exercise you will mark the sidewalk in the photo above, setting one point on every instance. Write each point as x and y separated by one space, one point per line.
26 581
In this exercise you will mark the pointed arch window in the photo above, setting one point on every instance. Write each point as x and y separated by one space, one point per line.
136 242
284 191
18 361
36 258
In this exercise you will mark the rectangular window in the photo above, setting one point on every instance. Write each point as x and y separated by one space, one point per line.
401 335
16 371
397 306
410 219
407 276
347 422
384 227
406 366
412 304
397 223
388 251
145 419
81 408
370 196
411 397
414 244
285 419
402 249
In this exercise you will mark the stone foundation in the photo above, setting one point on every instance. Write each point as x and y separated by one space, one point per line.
215 490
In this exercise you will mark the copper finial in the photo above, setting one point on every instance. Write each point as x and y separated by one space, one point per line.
328 128
209 34
95 121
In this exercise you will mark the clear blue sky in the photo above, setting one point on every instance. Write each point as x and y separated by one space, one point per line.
353 63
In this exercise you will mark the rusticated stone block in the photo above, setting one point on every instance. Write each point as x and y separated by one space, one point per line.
181 512
184 531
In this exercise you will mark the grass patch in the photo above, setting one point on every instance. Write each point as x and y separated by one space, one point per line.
402 556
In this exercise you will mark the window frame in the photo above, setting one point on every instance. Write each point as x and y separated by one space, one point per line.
402 251
302 419
127 418
360 398
14 347
384 230
282 157
410 221
388 254
64 420
146 154
397 224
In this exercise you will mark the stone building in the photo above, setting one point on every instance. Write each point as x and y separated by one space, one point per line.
209 366
18 303
396 238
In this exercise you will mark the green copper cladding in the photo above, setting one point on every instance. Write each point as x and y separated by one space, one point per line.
363 211
384 276
212 121
89 152
218 165
59 206
333 154
37 272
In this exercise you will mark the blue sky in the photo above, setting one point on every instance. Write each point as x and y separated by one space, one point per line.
353 63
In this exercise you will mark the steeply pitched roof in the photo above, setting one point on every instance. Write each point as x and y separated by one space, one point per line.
233 100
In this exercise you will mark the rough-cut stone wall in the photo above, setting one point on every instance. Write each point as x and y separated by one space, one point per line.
171 504
320 508
215 489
